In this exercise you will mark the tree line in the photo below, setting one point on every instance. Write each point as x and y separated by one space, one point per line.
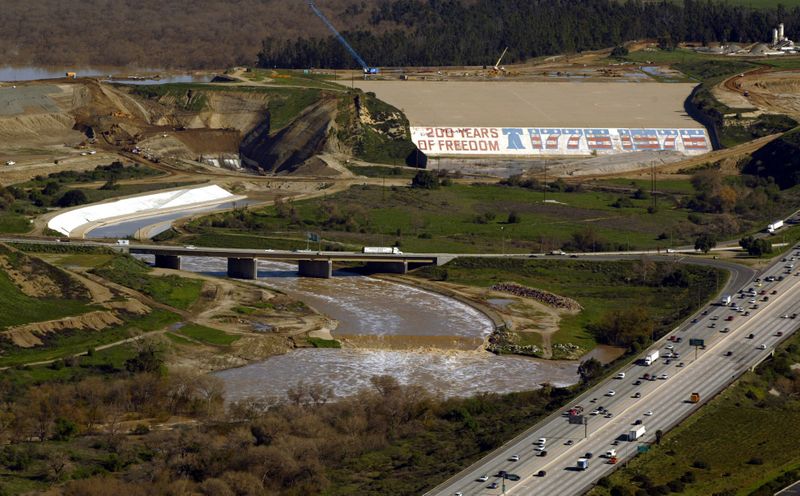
456 32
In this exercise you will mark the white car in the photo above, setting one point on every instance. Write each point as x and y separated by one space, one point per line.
670 347
611 393
621 375
539 448
541 441
649 413
483 478
514 458
663 377
762 347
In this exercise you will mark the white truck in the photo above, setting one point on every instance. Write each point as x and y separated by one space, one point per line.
583 463
123 242
651 358
726 300
635 434
389 250
10 162
774 226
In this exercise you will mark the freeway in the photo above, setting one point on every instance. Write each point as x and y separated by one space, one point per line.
658 404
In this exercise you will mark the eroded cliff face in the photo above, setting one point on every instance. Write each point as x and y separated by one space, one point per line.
285 151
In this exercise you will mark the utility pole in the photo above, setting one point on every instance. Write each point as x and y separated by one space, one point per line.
503 236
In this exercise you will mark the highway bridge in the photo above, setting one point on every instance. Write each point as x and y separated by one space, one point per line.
733 342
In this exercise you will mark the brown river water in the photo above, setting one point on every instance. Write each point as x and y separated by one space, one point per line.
432 341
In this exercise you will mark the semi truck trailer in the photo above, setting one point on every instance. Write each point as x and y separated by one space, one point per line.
651 358
635 434
389 250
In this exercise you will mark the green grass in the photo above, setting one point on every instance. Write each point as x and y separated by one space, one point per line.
67 344
81 260
13 223
19 308
288 104
679 186
173 290
324 343
378 171
446 220
598 286
207 335
744 423
105 362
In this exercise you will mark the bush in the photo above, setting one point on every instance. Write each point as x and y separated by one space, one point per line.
701 464
755 461
514 217
425 179
71 198
688 477
676 486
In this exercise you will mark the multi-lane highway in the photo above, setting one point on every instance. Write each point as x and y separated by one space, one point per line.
657 404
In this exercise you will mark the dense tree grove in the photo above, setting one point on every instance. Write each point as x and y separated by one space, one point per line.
455 32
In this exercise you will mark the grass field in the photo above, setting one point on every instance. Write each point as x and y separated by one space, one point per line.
207 334
67 344
19 308
14 223
294 78
468 219
598 286
743 437
176 291
378 171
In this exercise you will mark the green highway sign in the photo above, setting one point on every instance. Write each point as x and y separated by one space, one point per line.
697 342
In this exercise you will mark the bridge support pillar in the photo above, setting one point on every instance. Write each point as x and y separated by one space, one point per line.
387 267
242 268
168 262
322 269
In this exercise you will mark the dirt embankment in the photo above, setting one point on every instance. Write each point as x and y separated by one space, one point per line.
266 323
30 335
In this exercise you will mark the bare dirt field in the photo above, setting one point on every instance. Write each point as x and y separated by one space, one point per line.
775 92
537 104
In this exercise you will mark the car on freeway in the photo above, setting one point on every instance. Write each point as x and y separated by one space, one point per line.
680 365
727 329
649 413
190 247
752 301
609 415
459 494
569 442
637 422
620 375
637 383
541 441
751 336
695 321
512 477
762 347
728 353
729 318
669 347
715 317
637 394
663 377
541 473
514 458
713 325
588 455
493 485
611 393
594 412
705 312
540 448
778 334
483 478
774 292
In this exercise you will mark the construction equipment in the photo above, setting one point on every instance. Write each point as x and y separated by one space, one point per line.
694 398
367 69
497 64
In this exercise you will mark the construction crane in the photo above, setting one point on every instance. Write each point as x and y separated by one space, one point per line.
497 65
367 69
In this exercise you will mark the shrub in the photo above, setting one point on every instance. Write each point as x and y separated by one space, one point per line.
701 464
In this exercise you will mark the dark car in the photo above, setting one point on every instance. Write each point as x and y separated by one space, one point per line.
750 336
637 383
541 473
543 453
588 455
493 485
513 477
502 473
729 353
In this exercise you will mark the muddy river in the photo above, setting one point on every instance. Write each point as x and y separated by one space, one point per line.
370 307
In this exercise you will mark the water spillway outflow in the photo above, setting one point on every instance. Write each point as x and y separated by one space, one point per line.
348 371
376 308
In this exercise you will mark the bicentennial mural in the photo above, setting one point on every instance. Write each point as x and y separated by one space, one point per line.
527 141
